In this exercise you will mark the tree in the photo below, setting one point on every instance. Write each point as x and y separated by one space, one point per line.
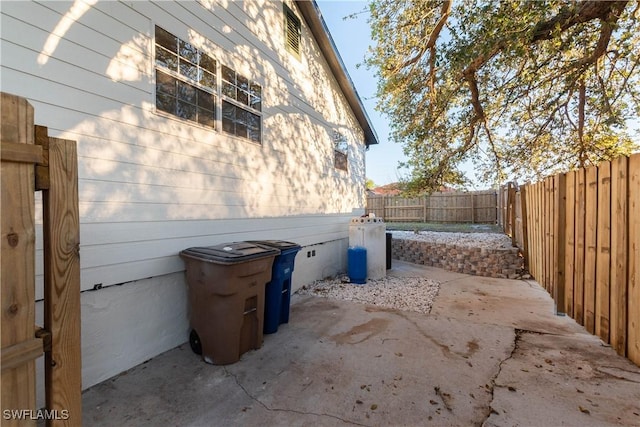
369 184
522 88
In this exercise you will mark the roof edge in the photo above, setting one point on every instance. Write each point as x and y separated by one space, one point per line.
313 16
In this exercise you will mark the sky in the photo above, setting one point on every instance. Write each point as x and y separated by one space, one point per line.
352 38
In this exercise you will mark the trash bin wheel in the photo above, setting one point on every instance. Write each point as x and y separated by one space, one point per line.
194 341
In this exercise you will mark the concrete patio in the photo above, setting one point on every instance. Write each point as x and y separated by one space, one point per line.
490 353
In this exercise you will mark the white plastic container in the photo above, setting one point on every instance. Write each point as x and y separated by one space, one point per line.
370 233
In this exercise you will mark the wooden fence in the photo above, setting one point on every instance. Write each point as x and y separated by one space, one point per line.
31 160
580 232
475 207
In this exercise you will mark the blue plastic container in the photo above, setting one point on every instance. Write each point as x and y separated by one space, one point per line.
277 296
357 264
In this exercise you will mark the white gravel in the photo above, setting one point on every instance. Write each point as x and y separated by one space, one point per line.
478 240
402 293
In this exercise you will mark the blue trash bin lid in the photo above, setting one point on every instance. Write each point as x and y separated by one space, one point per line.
229 253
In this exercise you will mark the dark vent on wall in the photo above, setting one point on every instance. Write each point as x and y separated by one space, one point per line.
292 31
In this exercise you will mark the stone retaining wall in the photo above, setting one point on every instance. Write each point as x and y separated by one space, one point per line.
488 262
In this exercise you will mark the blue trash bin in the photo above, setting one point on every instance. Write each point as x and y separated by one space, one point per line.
357 264
277 297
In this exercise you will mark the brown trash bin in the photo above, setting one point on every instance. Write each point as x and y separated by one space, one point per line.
226 298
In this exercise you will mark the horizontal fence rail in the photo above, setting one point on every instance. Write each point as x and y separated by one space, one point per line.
472 207
580 232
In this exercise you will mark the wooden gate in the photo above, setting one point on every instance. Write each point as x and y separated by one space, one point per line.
32 161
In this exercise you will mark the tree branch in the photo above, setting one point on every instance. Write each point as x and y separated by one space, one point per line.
445 10
605 34
570 16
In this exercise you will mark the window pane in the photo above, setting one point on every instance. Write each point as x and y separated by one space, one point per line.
186 111
254 135
243 82
241 129
189 70
164 58
207 79
165 83
166 39
228 74
188 51
256 96
228 126
256 104
241 116
186 92
256 90
241 122
206 117
228 117
207 62
253 120
166 103
243 97
229 90
206 100
254 127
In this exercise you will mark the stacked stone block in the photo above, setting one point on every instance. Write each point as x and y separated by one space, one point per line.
505 263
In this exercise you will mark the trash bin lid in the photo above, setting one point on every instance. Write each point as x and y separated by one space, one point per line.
278 244
230 253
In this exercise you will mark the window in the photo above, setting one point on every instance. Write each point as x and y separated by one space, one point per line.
240 89
185 80
187 87
292 35
340 151
242 100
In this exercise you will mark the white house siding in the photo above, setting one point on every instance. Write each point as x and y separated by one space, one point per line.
151 185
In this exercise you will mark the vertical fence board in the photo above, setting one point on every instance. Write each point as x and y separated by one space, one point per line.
603 271
512 212
18 258
590 242
633 301
548 237
539 231
619 256
524 206
578 281
62 282
533 229
544 239
560 201
553 217
569 254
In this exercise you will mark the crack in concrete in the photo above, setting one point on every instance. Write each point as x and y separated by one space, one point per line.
453 280
492 383
293 411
